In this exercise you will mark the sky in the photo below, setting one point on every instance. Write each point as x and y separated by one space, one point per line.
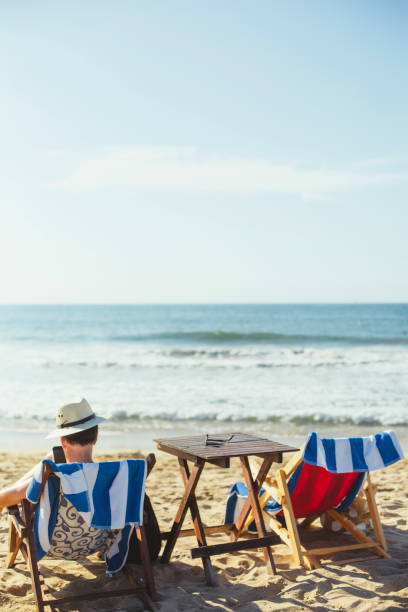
203 151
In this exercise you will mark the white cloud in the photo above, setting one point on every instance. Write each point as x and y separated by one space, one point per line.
390 161
187 169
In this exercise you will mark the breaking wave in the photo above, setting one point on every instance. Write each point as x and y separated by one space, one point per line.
123 417
123 420
219 336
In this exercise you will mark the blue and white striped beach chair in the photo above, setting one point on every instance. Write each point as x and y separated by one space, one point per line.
74 510
325 477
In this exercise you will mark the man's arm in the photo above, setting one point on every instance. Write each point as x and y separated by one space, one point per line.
14 494
9 496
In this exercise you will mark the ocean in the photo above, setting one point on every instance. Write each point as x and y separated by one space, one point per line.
281 370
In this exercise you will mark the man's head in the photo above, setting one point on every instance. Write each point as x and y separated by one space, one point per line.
82 438
79 446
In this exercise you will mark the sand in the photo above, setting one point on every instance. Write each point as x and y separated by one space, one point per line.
374 584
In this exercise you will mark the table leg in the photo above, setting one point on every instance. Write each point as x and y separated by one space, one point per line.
198 526
190 487
253 491
263 471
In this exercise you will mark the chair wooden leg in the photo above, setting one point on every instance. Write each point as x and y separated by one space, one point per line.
11 556
14 543
309 561
372 506
359 535
32 557
289 517
139 591
146 562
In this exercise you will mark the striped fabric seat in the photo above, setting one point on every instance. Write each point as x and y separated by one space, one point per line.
313 490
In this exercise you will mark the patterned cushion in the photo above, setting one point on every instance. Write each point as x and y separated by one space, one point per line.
74 539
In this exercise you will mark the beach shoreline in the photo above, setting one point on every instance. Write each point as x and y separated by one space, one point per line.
142 439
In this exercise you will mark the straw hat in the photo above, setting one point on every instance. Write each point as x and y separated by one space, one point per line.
75 417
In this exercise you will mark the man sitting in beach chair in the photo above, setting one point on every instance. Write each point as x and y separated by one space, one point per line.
72 510
325 477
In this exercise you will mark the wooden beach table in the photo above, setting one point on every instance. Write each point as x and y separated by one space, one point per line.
218 449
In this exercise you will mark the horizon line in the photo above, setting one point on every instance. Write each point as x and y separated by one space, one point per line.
199 303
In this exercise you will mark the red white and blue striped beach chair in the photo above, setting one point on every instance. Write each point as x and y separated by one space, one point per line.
325 476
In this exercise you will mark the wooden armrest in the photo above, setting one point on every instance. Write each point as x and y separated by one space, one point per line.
15 510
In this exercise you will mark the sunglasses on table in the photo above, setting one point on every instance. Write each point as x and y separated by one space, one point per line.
211 441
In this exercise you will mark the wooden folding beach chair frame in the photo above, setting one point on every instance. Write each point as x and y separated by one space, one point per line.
290 535
21 539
